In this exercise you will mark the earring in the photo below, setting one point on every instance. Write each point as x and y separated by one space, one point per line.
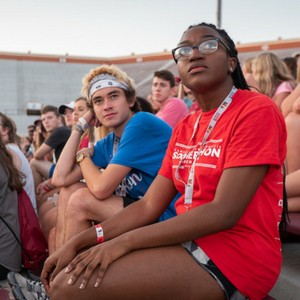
230 70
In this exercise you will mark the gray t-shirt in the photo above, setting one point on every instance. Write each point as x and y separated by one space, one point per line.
26 170
10 250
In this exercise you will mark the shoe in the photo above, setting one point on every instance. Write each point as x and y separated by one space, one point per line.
23 294
16 279
28 274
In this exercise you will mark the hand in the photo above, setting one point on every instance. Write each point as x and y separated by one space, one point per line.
87 151
99 256
44 187
91 118
55 263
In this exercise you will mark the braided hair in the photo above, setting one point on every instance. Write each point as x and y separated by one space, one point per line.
237 75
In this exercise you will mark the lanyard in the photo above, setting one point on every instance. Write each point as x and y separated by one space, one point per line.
121 188
189 186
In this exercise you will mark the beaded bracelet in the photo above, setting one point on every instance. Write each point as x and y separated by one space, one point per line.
78 128
84 124
100 233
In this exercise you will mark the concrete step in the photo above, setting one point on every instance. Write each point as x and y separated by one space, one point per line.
288 283
5 291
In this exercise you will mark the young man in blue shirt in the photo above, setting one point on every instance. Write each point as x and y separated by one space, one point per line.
119 169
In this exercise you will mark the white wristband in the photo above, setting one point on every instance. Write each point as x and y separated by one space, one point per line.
85 125
99 233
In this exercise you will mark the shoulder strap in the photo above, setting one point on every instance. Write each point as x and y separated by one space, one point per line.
11 231
18 240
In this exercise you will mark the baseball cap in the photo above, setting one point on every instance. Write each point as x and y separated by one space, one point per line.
37 122
63 107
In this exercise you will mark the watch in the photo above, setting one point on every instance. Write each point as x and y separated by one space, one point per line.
80 157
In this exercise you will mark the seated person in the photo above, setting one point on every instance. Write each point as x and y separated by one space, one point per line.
10 185
48 209
129 156
66 110
8 131
228 168
58 135
291 112
171 109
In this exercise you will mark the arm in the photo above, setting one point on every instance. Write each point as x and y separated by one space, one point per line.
16 159
67 171
287 104
296 105
280 98
102 184
293 184
42 151
144 212
220 214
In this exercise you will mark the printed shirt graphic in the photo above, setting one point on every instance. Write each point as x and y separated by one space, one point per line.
142 147
250 132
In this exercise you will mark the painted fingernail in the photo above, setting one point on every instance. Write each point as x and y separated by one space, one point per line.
97 284
70 281
81 286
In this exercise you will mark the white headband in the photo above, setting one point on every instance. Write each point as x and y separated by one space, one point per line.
103 81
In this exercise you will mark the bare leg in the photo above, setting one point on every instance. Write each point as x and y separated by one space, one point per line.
51 240
158 273
294 204
64 196
40 170
83 207
49 221
42 198
293 191
293 142
45 208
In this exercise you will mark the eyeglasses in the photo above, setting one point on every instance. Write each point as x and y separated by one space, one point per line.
206 47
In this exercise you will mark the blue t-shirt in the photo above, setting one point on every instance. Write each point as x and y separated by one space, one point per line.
141 147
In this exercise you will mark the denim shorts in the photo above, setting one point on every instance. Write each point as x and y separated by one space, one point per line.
51 171
230 291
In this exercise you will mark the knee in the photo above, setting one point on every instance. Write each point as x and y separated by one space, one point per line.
33 163
49 221
77 203
60 289
66 192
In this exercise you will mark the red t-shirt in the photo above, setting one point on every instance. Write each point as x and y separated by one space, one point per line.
84 143
250 132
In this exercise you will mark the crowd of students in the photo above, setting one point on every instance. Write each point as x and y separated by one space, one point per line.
125 187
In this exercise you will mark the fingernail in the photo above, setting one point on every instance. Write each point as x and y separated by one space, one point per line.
81 286
66 270
97 284
70 281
